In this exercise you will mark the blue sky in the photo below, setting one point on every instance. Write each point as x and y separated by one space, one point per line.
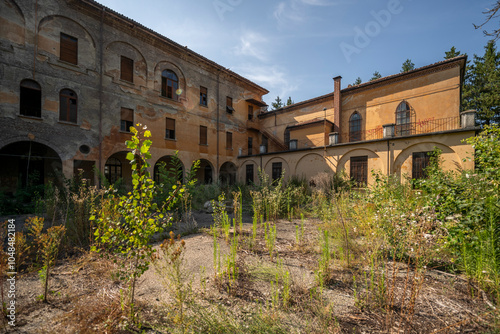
295 47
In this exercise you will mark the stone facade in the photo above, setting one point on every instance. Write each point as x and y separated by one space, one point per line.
75 74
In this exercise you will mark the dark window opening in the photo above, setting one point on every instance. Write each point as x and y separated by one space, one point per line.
67 106
249 174
30 103
250 112
277 170
229 105
126 120
170 128
169 84
69 49
286 138
420 163
203 135
203 96
250 145
359 170
113 170
229 140
127 69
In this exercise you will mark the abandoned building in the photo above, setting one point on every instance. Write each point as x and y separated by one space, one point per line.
75 75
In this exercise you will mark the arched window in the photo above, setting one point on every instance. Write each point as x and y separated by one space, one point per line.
30 98
113 170
355 127
67 106
405 120
169 84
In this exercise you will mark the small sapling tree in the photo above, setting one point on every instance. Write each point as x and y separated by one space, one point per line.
125 235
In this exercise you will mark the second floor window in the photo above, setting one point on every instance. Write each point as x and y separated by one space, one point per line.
229 140
404 120
68 49
169 84
170 128
203 96
250 145
67 106
355 127
126 119
250 112
126 69
229 104
30 98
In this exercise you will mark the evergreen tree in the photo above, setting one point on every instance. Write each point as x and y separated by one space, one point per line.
452 53
277 104
407 66
357 81
376 75
482 86
289 101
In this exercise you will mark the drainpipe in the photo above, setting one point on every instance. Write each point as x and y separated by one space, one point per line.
101 42
337 104
35 47
218 107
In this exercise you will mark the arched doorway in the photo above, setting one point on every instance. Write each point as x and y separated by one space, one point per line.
204 174
117 168
27 164
227 175
168 167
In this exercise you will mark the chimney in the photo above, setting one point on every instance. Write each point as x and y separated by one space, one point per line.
337 104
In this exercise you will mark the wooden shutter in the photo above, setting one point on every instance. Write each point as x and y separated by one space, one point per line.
127 69
127 115
203 135
69 49
229 140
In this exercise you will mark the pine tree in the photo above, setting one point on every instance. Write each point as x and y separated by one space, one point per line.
289 101
408 65
376 75
357 81
452 53
482 86
277 104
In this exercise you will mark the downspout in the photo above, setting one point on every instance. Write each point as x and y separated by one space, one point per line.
218 107
100 89
35 48
388 161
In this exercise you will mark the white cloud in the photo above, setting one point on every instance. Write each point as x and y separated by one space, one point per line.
252 44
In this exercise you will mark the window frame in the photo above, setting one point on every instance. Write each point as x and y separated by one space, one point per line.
27 90
250 112
65 96
68 49
127 69
229 140
355 127
423 159
250 145
275 167
360 178
229 105
124 123
407 115
169 85
249 172
203 96
170 128
203 135
108 168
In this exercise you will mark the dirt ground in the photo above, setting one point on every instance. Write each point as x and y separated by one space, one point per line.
83 291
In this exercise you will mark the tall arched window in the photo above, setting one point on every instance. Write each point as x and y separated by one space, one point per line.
169 84
355 127
113 170
67 106
30 98
405 120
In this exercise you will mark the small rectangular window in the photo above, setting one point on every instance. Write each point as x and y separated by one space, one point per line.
420 163
126 119
30 99
277 170
229 105
250 145
127 69
170 128
359 170
203 135
68 49
249 174
203 96
250 112
229 140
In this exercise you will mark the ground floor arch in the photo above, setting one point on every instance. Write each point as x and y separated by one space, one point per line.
168 167
227 174
28 164
204 174
117 168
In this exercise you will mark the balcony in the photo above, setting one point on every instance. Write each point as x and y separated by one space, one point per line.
408 129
